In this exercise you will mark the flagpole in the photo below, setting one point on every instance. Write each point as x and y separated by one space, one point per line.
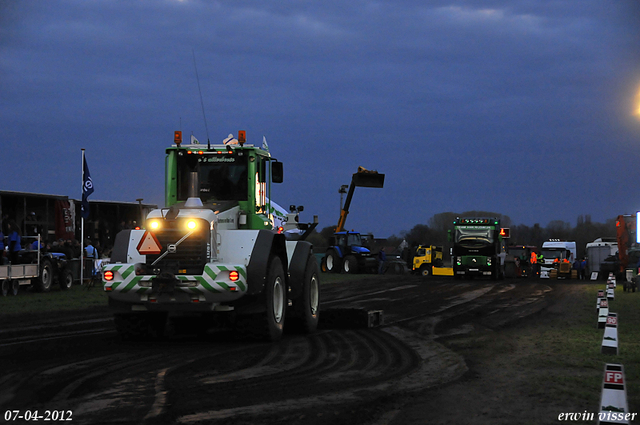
82 226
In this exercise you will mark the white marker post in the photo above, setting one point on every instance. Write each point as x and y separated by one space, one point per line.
610 291
610 337
603 313
600 297
613 403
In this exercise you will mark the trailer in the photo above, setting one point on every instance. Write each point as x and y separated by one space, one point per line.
37 269
598 251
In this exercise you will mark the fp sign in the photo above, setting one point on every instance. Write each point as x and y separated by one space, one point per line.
613 378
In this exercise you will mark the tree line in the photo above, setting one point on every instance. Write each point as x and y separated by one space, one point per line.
435 232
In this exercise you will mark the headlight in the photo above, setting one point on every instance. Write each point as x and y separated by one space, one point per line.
191 224
154 224
488 261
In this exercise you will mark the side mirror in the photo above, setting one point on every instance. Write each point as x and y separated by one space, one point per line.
277 172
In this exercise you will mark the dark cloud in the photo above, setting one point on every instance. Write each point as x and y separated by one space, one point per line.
520 107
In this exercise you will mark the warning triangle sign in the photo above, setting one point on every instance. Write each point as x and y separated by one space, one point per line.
149 244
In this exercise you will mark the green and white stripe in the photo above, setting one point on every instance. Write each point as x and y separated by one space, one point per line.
210 281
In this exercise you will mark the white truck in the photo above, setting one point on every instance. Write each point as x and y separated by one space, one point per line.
213 253
556 249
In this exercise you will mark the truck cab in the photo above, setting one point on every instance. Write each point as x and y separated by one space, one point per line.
557 251
425 258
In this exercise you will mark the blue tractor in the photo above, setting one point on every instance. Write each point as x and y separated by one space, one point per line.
348 254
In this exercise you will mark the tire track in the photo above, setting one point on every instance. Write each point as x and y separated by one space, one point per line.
356 362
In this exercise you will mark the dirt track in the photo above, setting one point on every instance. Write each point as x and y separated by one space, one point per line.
338 376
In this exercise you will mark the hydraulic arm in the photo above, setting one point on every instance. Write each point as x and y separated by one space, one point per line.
363 178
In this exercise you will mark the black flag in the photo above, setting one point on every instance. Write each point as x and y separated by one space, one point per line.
87 189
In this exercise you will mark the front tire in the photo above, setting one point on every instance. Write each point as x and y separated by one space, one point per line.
6 287
276 299
306 309
425 271
267 325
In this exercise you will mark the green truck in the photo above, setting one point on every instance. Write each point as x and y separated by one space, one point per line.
477 247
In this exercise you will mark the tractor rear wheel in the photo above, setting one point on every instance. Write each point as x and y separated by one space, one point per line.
65 279
332 261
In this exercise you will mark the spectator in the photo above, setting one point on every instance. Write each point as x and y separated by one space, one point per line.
576 266
90 250
67 248
75 246
91 255
382 257
14 241
503 256
3 260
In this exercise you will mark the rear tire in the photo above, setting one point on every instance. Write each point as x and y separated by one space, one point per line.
306 309
332 261
66 280
43 283
350 265
6 287
323 265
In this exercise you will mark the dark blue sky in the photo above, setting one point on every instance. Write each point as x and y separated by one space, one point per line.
525 108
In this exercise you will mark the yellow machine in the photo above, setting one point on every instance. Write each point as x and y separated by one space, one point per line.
426 258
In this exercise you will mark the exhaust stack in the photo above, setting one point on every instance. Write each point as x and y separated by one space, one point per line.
194 200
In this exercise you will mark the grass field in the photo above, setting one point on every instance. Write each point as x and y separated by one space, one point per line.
575 347
76 298
556 358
